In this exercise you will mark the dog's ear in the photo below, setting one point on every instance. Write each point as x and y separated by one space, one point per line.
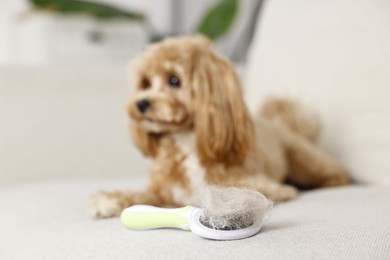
147 142
223 126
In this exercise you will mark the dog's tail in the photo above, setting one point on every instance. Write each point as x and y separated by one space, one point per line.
293 115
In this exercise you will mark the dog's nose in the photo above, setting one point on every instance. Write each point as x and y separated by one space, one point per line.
143 105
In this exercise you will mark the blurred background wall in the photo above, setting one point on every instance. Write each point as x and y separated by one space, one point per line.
29 36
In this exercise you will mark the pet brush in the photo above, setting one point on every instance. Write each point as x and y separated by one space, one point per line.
227 214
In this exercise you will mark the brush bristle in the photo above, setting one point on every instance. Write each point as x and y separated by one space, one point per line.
228 208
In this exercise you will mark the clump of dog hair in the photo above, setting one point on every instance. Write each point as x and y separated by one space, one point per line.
229 208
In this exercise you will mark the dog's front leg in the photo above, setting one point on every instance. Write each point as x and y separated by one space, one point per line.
106 204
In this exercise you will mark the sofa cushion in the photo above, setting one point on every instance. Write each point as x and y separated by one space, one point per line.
334 55
57 122
47 220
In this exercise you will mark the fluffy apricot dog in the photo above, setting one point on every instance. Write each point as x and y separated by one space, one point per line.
188 114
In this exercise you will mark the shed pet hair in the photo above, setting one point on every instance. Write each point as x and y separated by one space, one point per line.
232 208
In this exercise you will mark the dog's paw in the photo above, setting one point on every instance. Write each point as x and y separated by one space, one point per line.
336 178
104 205
284 193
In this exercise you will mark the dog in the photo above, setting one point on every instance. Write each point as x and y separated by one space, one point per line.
189 116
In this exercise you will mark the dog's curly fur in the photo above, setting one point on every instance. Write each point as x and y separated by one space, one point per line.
188 114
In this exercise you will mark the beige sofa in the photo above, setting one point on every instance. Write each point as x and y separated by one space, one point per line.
63 135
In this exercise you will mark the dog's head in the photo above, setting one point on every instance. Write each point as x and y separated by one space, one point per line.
181 84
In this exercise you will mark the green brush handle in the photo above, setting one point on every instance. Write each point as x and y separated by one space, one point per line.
150 217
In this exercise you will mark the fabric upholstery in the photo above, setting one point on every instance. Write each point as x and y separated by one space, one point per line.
46 220
335 56
57 122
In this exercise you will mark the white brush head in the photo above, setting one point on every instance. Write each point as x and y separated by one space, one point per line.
228 208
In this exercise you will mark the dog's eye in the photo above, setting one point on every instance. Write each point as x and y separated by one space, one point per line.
174 81
145 83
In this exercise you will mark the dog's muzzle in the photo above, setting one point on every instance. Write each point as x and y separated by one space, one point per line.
143 105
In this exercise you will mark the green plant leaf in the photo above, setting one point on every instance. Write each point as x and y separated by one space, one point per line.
218 19
98 10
